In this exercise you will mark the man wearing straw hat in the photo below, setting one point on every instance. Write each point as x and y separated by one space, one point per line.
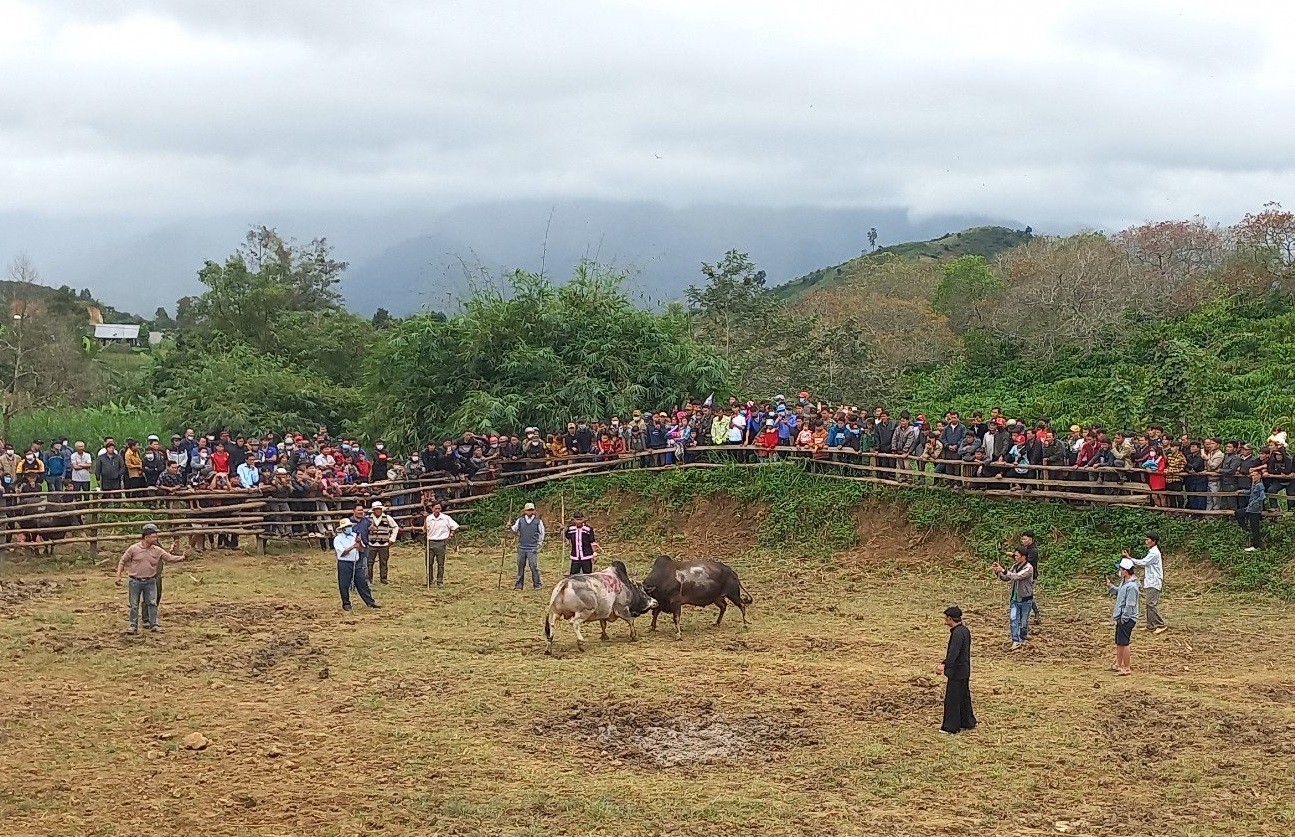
530 540
142 562
350 567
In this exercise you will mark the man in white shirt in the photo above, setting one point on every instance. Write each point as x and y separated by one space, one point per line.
81 463
350 570
438 528
1153 579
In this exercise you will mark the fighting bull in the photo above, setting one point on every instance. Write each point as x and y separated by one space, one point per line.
606 595
694 582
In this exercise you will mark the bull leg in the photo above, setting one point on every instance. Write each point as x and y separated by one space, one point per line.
550 628
656 611
737 600
580 637
723 606
628 617
678 633
603 623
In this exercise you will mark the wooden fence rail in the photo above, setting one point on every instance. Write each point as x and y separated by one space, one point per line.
42 520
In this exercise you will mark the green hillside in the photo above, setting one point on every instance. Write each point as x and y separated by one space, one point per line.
976 241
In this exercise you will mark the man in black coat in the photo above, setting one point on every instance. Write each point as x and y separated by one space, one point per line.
956 666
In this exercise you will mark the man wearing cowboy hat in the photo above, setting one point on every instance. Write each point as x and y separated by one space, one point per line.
142 562
383 531
350 568
530 540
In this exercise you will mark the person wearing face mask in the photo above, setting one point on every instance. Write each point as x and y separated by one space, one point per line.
381 465
9 464
31 464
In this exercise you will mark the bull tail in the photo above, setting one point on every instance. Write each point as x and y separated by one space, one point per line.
747 598
548 614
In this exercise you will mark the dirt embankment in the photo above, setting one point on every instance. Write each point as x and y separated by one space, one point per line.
721 527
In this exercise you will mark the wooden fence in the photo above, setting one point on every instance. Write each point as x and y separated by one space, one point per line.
41 521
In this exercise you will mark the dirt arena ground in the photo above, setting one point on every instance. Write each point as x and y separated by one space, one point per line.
440 714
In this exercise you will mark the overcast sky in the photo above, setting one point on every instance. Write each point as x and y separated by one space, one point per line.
1060 113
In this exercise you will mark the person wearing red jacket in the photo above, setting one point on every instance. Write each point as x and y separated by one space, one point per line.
767 440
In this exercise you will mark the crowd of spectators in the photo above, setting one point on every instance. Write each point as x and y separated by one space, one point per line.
299 473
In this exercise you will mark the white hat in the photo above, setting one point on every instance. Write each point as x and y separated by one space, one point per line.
528 507
280 470
769 422
152 438
377 504
345 523
1127 564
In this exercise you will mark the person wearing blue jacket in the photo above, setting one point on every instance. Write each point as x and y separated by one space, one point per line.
55 467
1251 515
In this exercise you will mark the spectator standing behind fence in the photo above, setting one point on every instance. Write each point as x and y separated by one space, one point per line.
110 468
55 467
142 562
529 529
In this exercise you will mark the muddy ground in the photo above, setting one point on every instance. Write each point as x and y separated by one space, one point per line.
265 710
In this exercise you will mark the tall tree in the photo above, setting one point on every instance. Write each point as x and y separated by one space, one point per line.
41 358
732 300
537 354
965 292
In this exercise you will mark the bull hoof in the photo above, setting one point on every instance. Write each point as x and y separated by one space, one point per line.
580 646
549 651
633 638
604 638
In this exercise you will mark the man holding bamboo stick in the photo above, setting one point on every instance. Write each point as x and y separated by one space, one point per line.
142 562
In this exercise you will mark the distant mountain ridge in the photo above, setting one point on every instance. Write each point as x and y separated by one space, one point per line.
425 258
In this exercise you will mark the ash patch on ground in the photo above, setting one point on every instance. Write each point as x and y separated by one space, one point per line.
681 738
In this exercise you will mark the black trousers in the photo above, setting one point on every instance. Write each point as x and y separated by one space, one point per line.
957 705
585 566
1251 523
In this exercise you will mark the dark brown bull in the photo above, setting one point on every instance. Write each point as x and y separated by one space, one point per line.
694 582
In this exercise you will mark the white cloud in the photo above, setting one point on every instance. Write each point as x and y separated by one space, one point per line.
1053 113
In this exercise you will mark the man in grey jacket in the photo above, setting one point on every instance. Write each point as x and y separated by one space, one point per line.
1021 577
530 540
110 468
1125 615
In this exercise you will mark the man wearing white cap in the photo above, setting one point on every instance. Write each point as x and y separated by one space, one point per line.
1124 614
530 540
350 570
383 530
